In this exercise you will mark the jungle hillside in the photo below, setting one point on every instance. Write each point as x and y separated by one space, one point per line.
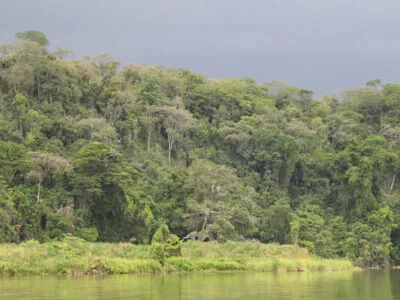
110 153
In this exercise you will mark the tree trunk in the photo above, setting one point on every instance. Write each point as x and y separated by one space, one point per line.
12 176
170 145
85 204
392 185
149 135
91 133
38 192
205 220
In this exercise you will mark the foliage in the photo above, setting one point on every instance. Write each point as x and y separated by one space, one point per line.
33 36
164 244
111 154
89 234
157 252
161 235
74 256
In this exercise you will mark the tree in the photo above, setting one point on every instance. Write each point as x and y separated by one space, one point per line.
33 36
150 119
306 101
262 161
313 231
18 69
366 101
374 83
12 160
104 186
276 222
342 126
92 163
219 206
360 165
177 122
369 243
45 164
257 145
97 129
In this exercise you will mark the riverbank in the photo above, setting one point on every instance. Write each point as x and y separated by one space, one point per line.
76 257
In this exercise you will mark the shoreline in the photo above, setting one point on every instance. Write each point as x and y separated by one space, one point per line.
106 267
73 256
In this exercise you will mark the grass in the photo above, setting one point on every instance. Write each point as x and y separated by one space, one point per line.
291 265
73 256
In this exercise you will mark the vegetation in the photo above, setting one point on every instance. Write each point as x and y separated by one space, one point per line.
74 256
110 154
164 245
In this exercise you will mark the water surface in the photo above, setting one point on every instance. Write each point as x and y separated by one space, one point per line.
364 285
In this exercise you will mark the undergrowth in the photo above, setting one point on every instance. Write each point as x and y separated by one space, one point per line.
74 256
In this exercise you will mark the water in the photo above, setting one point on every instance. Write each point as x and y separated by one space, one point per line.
365 285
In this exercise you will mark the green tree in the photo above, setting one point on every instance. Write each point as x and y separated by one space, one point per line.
219 204
275 226
369 243
33 36
44 164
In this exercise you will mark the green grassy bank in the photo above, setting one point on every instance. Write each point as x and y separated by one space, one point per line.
76 257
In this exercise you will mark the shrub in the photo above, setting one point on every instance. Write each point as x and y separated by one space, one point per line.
161 235
157 252
173 246
164 244
89 234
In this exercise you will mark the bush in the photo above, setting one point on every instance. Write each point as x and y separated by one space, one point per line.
89 234
157 252
164 244
57 226
161 235
173 246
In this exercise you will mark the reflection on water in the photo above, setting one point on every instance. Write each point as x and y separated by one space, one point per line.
358 285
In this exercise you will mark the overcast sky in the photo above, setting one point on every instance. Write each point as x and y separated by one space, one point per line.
324 45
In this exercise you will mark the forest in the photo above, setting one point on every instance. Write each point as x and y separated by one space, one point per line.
110 153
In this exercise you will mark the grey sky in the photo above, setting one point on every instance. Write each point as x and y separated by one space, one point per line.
325 45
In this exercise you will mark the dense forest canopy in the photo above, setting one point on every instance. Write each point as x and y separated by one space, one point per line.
109 153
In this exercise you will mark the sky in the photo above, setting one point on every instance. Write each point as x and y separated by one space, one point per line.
323 45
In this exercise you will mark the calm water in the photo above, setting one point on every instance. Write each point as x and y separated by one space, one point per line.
360 285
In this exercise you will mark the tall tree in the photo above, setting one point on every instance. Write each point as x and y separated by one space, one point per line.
33 36
43 164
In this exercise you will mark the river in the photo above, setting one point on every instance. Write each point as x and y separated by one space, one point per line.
364 285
